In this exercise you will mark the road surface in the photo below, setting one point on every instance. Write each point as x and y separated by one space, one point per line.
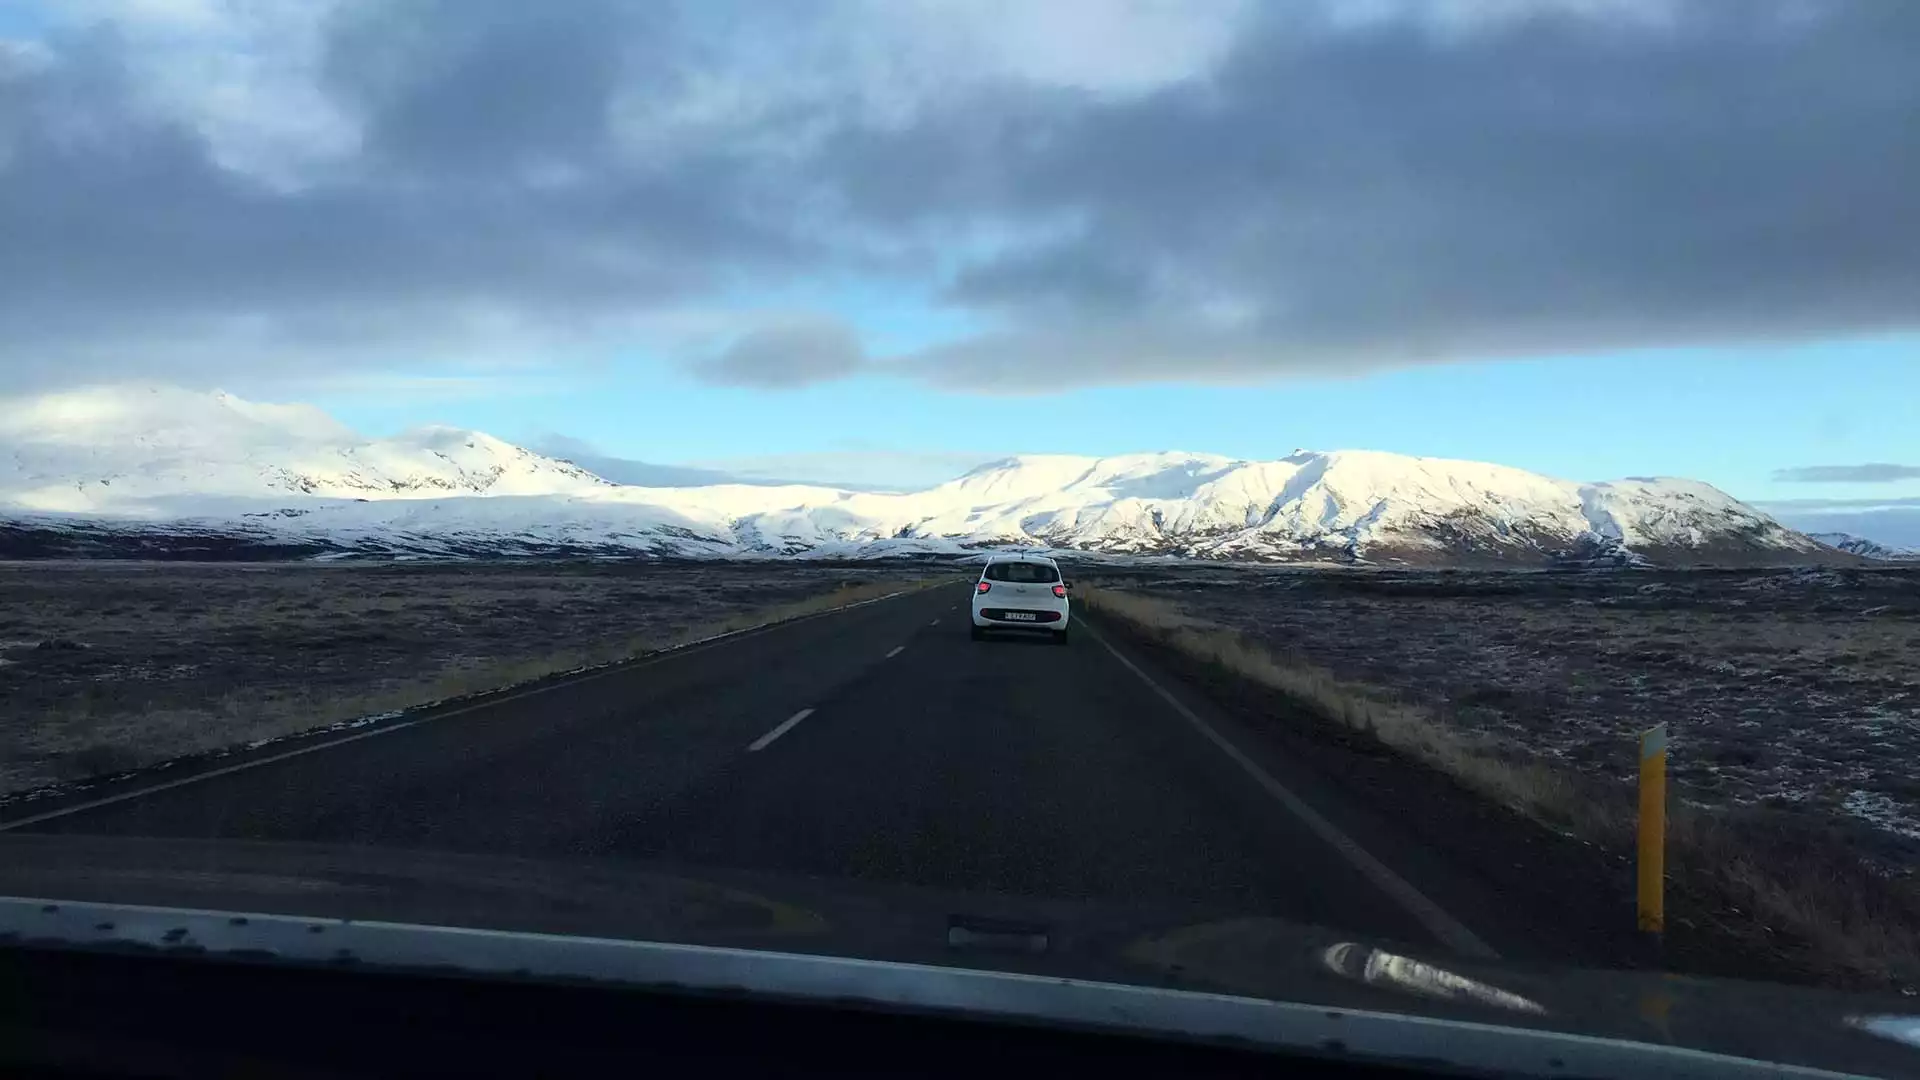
878 744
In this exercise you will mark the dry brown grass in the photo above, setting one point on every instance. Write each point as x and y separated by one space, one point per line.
101 723
1841 920
498 675
1797 691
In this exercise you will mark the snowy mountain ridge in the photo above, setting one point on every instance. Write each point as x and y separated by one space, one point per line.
88 451
172 462
1866 549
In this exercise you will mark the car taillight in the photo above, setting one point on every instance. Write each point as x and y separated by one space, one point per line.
1060 591
982 587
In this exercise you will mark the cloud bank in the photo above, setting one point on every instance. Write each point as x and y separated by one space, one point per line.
1113 192
1870 473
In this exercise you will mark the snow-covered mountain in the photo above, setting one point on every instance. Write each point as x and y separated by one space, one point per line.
97 450
1866 549
1342 504
175 468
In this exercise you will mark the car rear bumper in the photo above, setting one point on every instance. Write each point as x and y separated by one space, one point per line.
1043 619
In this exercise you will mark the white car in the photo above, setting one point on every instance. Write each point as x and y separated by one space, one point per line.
1020 592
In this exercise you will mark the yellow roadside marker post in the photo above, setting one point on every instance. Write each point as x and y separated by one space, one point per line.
1653 832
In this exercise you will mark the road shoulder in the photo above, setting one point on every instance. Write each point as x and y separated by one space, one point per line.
1533 895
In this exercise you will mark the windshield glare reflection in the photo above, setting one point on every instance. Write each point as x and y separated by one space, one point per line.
1377 967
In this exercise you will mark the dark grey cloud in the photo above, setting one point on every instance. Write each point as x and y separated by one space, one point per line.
1870 473
1079 278
1389 195
786 355
451 85
1327 198
488 214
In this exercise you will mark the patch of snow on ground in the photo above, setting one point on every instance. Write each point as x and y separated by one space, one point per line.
1883 811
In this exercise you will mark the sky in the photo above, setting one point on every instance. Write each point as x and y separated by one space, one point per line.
880 241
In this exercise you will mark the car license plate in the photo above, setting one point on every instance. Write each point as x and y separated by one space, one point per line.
1022 616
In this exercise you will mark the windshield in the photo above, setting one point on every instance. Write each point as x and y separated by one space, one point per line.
1026 572
1412 506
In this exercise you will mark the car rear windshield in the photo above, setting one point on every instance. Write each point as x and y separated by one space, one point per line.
1029 572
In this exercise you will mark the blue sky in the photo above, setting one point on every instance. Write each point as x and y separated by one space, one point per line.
1729 416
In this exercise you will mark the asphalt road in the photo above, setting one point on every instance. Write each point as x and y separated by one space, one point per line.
875 744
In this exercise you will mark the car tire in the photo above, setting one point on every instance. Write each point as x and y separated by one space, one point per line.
1059 637
979 634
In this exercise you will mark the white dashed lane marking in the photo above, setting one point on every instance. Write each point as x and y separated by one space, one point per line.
897 650
766 740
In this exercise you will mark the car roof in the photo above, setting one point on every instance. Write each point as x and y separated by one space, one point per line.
1020 558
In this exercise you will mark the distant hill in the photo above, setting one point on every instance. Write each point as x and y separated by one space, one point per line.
140 466
1866 549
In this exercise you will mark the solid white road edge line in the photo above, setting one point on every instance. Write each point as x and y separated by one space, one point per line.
153 789
1450 931
766 740
566 679
897 650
